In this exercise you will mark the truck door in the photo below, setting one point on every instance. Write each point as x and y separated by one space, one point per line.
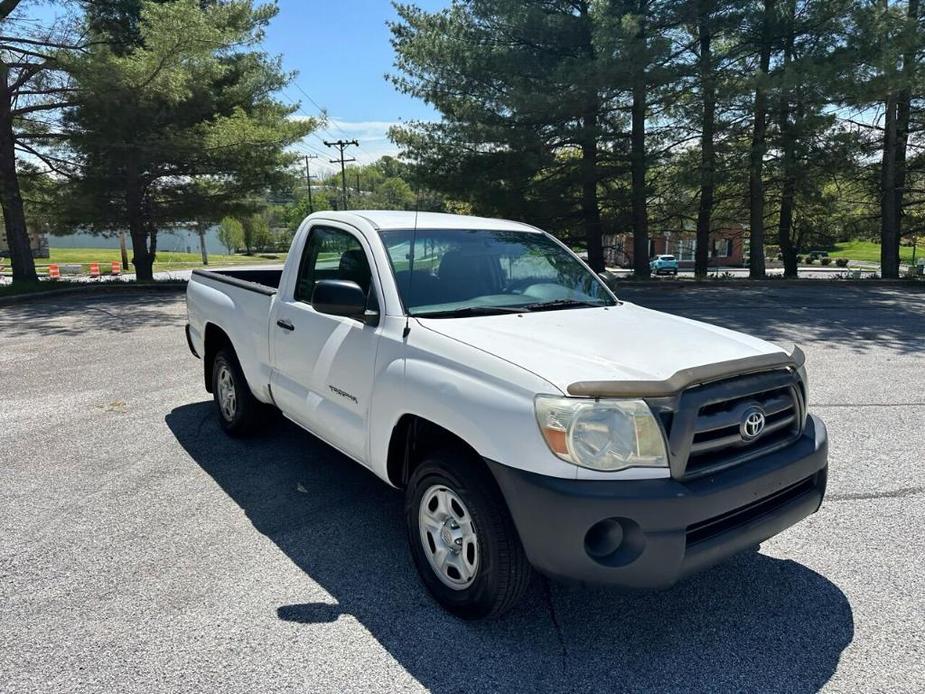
324 364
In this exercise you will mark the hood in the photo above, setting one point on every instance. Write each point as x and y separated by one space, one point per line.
619 343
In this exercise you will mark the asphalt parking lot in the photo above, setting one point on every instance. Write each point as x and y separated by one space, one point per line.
141 550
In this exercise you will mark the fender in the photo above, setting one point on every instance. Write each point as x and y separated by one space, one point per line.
467 392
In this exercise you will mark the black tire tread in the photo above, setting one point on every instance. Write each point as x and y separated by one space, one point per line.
513 570
249 407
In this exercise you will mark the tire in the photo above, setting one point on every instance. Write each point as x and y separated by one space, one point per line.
239 412
489 573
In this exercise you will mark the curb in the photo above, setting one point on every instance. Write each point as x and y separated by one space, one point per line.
97 290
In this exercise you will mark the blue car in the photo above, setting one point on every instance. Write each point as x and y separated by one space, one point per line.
664 265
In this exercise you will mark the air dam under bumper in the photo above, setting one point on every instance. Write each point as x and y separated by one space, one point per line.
651 533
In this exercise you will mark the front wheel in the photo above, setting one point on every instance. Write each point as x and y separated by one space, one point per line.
238 409
462 538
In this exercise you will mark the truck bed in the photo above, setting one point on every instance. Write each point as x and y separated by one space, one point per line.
263 280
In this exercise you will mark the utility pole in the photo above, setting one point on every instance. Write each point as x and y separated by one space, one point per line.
342 145
308 181
357 172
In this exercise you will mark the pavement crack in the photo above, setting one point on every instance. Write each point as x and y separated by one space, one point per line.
556 626
108 313
861 496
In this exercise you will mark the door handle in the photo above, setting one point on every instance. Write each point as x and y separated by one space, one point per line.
285 325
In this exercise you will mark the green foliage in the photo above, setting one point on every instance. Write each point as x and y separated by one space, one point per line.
180 125
256 233
513 81
231 234
523 88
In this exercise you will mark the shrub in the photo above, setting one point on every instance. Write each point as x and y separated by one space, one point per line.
825 260
841 262
810 259
799 260
231 234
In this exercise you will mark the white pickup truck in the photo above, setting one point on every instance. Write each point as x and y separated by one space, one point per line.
532 419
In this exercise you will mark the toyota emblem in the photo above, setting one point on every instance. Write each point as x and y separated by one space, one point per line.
752 423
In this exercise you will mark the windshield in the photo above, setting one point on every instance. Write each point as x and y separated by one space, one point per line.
477 272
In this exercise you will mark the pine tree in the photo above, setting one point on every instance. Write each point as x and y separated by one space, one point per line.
189 103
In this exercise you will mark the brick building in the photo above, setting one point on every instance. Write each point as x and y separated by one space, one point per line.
728 247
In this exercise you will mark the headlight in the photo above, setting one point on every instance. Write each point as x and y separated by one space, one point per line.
604 435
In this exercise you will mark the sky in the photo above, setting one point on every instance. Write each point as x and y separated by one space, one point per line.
340 51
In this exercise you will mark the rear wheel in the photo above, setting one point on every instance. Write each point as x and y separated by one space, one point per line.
462 538
238 410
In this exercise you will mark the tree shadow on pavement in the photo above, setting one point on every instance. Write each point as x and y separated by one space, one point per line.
73 315
754 623
857 317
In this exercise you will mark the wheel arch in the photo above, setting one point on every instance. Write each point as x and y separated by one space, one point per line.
214 340
413 438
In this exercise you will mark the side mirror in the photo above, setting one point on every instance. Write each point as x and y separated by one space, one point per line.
339 298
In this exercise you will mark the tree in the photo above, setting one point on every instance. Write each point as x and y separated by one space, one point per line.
637 48
764 43
33 87
179 125
522 89
231 234
256 233
710 87
392 193
812 153
886 45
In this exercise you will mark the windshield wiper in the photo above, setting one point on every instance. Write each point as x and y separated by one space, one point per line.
464 311
561 303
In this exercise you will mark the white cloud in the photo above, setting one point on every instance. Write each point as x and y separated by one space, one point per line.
372 136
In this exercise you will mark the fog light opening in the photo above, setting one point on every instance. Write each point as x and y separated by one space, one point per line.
614 541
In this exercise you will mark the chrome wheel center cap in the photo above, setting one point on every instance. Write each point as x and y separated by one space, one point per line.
449 537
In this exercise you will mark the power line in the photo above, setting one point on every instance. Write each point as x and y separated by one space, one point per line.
342 145
321 110
307 96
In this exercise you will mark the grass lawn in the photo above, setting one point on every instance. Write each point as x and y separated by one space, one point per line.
869 251
166 260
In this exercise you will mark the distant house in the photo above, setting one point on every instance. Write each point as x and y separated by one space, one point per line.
38 241
728 247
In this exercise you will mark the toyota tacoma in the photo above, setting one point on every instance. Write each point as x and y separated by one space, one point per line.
533 420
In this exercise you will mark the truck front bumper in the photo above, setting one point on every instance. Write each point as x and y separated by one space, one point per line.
652 533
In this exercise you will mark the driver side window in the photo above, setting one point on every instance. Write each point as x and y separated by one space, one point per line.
331 254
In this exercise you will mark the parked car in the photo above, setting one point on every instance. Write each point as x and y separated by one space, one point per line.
531 418
664 265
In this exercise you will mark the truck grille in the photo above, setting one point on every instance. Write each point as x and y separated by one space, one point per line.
705 424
